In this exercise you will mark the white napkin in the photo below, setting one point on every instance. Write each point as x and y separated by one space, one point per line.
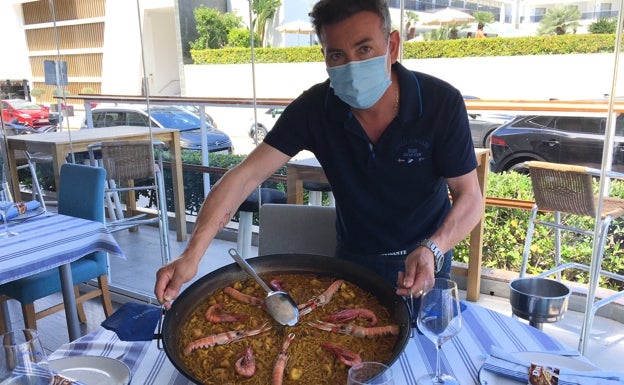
507 365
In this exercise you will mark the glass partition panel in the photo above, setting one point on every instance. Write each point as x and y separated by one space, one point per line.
101 65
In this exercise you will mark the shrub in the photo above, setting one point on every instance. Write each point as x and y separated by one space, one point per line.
505 233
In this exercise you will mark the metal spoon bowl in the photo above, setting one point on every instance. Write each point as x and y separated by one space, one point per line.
279 304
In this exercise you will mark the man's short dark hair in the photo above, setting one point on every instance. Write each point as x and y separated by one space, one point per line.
334 11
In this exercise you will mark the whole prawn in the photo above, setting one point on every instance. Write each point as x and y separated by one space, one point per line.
320 300
280 362
246 364
223 338
346 356
355 330
350 314
213 316
242 297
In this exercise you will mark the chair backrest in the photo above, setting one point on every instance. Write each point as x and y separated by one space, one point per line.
562 187
81 191
289 228
128 159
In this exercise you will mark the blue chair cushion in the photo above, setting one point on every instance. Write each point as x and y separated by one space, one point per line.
29 289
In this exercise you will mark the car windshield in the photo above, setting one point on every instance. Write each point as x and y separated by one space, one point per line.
25 105
175 118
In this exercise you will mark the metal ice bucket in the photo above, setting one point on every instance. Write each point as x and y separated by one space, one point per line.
538 300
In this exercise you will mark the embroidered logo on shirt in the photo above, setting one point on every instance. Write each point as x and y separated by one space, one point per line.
410 155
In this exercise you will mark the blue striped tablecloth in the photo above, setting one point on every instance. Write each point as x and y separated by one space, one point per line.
462 356
50 240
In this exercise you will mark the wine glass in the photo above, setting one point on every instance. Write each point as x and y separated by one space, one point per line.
23 360
6 202
439 318
370 373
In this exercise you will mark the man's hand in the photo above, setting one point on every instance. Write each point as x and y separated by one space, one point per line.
419 273
171 277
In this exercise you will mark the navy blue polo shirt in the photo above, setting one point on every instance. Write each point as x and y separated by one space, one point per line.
391 194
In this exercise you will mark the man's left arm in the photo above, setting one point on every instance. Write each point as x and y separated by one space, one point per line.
464 215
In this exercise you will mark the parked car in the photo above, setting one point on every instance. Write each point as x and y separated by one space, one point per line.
481 126
26 112
266 120
163 117
560 139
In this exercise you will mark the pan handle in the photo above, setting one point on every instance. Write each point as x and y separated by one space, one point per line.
158 336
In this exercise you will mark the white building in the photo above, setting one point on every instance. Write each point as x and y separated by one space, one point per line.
110 46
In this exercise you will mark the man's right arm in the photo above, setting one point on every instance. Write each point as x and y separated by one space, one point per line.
224 199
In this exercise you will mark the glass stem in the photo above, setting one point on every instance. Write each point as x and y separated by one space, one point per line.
438 372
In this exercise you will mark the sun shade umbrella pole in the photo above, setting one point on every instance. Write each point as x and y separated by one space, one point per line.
253 85
204 147
607 158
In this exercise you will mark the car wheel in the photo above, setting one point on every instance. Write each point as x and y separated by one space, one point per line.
520 168
260 134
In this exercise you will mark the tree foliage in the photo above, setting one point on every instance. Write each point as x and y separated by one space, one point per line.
603 25
213 27
483 17
240 38
264 10
560 20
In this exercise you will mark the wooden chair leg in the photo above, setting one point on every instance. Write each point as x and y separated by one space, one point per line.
30 317
106 298
82 317
3 327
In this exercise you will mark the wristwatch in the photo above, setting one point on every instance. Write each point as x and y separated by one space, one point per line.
438 256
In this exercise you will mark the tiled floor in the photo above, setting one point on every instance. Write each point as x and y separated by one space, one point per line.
137 272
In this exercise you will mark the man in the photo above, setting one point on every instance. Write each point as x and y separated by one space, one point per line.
392 143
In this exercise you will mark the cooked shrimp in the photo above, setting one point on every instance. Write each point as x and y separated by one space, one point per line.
223 338
346 356
277 284
246 364
242 297
213 316
350 314
320 300
280 362
355 330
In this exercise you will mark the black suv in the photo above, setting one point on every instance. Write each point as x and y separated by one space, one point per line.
559 139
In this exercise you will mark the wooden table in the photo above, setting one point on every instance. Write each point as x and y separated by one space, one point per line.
309 169
59 144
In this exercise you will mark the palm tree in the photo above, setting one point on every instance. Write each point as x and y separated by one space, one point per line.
557 21
264 10
483 17
604 25
411 19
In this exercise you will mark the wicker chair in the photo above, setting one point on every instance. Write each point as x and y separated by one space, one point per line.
568 189
125 162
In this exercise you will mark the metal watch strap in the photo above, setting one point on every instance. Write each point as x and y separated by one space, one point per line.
438 256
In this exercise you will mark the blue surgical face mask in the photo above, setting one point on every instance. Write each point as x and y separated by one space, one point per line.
361 84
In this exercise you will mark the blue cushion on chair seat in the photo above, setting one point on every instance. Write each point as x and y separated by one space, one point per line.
29 289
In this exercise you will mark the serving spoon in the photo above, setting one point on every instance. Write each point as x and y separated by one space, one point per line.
279 304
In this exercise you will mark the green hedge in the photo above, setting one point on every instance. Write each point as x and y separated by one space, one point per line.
505 232
496 46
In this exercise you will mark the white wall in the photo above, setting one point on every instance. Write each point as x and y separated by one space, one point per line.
15 64
514 78
121 65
